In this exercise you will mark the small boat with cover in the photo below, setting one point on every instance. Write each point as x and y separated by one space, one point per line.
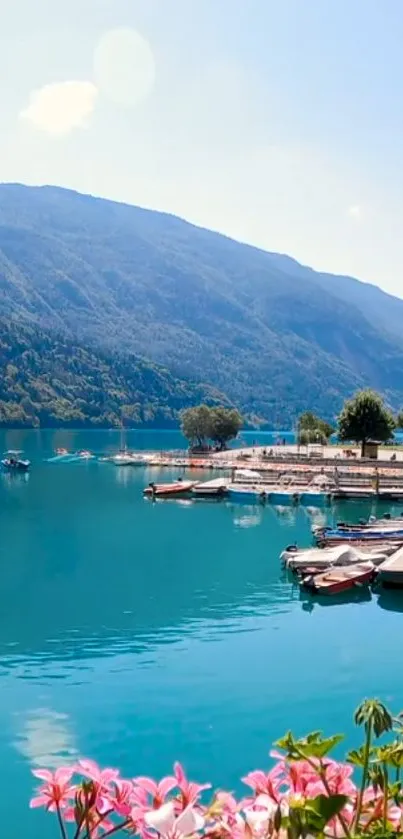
13 462
341 555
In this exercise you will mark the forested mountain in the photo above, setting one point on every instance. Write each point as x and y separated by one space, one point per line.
101 280
48 381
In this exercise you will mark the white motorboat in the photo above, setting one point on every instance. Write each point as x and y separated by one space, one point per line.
12 461
126 458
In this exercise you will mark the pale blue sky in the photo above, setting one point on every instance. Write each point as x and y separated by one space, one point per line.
278 122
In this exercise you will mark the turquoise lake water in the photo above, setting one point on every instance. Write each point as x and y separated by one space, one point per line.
140 633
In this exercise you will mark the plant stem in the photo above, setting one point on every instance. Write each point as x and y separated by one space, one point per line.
385 795
61 822
116 828
364 774
322 775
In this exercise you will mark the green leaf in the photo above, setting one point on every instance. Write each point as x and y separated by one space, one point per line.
374 713
311 746
327 806
285 742
357 756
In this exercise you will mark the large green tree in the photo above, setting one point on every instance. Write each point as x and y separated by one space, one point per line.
196 425
313 429
203 424
225 423
365 417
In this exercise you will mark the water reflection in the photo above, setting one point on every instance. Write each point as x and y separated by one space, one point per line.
286 515
12 481
390 599
353 596
45 738
250 516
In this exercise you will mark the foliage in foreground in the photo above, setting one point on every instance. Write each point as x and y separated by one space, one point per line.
202 425
307 793
365 417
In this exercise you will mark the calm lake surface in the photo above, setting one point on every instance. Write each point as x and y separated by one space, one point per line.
140 633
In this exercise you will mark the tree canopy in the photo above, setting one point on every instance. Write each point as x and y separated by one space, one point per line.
366 417
202 425
399 419
313 429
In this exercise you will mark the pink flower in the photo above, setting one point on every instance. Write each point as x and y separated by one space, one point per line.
56 792
102 777
268 784
258 817
373 809
157 791
121 797
190 791
338 778
102 780
169 826
224 814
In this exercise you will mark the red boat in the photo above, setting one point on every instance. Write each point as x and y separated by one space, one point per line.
342 578
174 490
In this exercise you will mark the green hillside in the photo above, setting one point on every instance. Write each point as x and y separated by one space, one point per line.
275 337
49 381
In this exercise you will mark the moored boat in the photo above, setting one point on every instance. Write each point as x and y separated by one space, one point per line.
341 555
216 488
246 492
336 580
390 573
13 462
387 521
172 490
126 458
282 496
314 498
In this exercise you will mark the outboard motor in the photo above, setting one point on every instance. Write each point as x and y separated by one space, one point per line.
291 548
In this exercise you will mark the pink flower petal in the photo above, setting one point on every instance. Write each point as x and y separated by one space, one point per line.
43 775
188 822
179 773
89 768
108 775
166 785
39 801
147 784
256 780
161 820
63 775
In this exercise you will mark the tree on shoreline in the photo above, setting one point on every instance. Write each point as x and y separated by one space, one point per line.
313 429
365 417
203 424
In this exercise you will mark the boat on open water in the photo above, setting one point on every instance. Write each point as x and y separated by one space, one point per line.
13 462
